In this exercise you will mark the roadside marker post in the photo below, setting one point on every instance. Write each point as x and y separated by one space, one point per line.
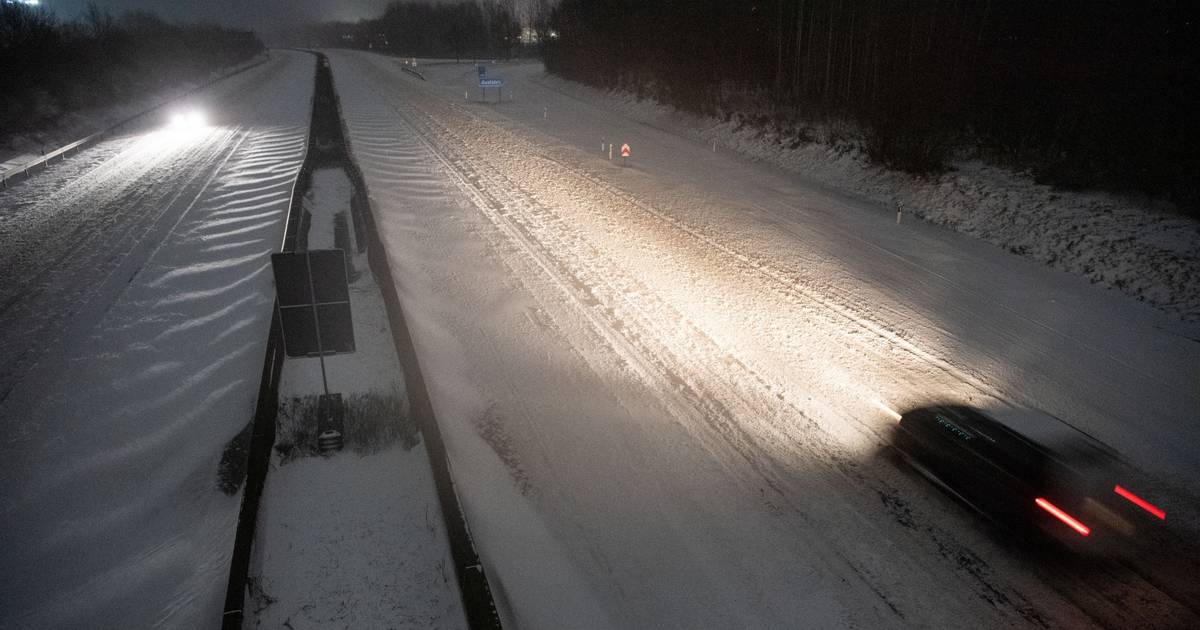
899 211
610 151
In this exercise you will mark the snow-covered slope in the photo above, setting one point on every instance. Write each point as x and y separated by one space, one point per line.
136 300
1126 243
661 384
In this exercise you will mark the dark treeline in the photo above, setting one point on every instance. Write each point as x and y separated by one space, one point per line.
48 67
1083 94
420 29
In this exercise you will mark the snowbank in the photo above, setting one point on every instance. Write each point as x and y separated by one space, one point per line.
1129 244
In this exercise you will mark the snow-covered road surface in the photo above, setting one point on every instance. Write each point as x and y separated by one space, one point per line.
135 299
660 385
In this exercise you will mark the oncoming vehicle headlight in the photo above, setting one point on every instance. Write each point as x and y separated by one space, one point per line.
188 119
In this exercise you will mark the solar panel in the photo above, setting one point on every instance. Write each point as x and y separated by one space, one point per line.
329 275
291 279
314 302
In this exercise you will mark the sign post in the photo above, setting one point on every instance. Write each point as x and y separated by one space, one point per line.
484 84
314 313
625 152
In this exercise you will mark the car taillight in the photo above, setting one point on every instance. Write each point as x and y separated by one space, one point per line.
1063 516
1140 502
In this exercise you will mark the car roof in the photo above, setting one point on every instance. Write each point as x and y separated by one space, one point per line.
1036 432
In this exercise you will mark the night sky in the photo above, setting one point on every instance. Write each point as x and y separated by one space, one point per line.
251 14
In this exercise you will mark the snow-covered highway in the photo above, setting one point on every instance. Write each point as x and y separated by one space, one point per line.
662 385
135 299
667 388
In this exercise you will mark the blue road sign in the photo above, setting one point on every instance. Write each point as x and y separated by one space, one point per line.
491 82
482 70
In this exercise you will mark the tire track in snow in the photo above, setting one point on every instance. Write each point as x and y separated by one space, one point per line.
82 266
114 517
634 335
500 150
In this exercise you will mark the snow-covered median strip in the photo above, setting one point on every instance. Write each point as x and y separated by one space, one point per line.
344 545
354 539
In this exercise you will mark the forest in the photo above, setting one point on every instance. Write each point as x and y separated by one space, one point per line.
51 68
422 29
1095 95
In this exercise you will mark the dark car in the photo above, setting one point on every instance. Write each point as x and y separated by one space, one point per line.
1028 471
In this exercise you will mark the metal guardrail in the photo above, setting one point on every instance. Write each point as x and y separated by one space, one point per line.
266 408
478 603
21 173
24 172
413 72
